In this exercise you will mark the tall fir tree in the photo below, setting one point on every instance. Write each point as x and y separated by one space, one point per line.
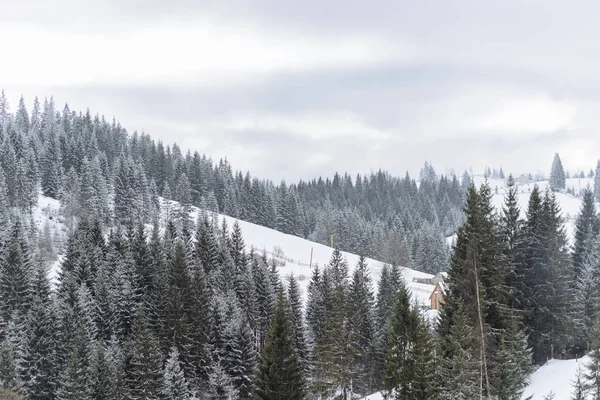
557 175
280 371
587 227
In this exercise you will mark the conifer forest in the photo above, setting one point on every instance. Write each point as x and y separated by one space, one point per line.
155 299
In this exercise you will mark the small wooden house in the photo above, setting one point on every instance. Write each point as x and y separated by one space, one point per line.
437 296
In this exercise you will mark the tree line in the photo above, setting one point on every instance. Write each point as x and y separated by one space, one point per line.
94 167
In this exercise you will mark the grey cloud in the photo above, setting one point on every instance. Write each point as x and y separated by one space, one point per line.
544 50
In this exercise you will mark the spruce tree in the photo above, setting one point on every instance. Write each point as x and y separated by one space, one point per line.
280 372
362 327
399 366
174 385
297 320
38 365
592 368
597 182
458 372
587 296
15 274
145 371
586 228
579 390
557 175
74 379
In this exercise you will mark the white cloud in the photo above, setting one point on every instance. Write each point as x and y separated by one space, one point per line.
489 110
317 126
197 53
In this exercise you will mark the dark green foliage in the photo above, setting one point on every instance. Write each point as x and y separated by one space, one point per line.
145 369
408 358
15 274
586 228
361 325
280 371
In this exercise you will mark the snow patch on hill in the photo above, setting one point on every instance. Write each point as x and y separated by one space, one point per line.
295 253
556 376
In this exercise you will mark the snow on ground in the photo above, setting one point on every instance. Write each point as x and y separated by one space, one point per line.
374 396
556 376
297 257
295 254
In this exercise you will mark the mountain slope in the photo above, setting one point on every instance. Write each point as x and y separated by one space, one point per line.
291 251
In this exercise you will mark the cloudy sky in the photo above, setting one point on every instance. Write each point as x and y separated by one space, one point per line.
296 89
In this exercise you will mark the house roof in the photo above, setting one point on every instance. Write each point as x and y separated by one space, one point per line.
439 288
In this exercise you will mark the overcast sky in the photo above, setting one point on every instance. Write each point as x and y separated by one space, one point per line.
297 89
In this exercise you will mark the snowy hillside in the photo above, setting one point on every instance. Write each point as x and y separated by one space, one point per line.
296 252
292 251
556 376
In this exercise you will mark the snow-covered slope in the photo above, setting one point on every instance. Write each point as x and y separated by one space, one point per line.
556 376
293 252
296 253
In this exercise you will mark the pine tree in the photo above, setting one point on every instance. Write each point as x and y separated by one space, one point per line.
38 365
315 308
101 385
297 321
15 273
333 357
145 372
74 380
180 302
509 378
220 386
592 368
557 175
280 372
174 386
397 367
587 296
579 392
597 182
362 327
10 350
265 299
586 228
458 375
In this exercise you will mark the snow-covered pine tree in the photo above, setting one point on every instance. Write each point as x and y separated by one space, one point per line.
361 322
579 389
587 295
557 175
597 182
15 274
399 365
297 321
38 366
592 368
587 227
73 383
174 385
145 371
220 385
458 368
